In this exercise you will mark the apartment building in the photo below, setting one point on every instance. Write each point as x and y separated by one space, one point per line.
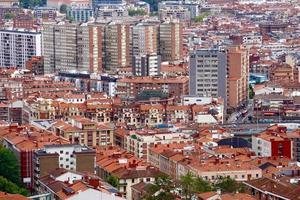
84 131
68 156
45 13
57 3
65 184
23 141
117 46
146 65
207 73
207 162
18 46
144 39
175 12
72 47
100 2
272 142
130 170
190 7
110 11
36 65
131 87
4 113
8 3
237 76
145 61
138 142
283 73
170 41
80 14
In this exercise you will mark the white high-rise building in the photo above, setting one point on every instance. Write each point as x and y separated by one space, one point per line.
17 46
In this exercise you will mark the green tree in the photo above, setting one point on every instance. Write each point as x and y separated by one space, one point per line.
147 94
161 189
251 92
32 3
136 12
113 180
63 9
191 185
9 16
10 187
200 18
201 185
187 185
9 167
228 185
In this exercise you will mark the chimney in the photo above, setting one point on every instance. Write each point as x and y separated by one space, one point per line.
259 162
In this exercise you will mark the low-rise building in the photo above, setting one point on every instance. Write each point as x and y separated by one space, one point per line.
125 167
131 87
84 131
36 65
23 141
272 142
68 156
63 184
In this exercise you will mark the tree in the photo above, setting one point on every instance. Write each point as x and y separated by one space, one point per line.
228 185
9 167
187 185
32 3
10 187
113 180
191 185
9 16
136 12
147 94
161 189
201 185
63 9
251 92
200 18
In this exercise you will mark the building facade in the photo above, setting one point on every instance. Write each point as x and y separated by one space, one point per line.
72 47
237 76
208 73
117 46
170 41
18 46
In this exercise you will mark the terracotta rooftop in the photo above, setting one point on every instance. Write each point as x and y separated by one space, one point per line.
7 196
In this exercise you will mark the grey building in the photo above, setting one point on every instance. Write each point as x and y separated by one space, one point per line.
208 73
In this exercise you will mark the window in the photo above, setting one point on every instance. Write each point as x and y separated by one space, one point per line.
132 180
61 151
67 153
60 158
